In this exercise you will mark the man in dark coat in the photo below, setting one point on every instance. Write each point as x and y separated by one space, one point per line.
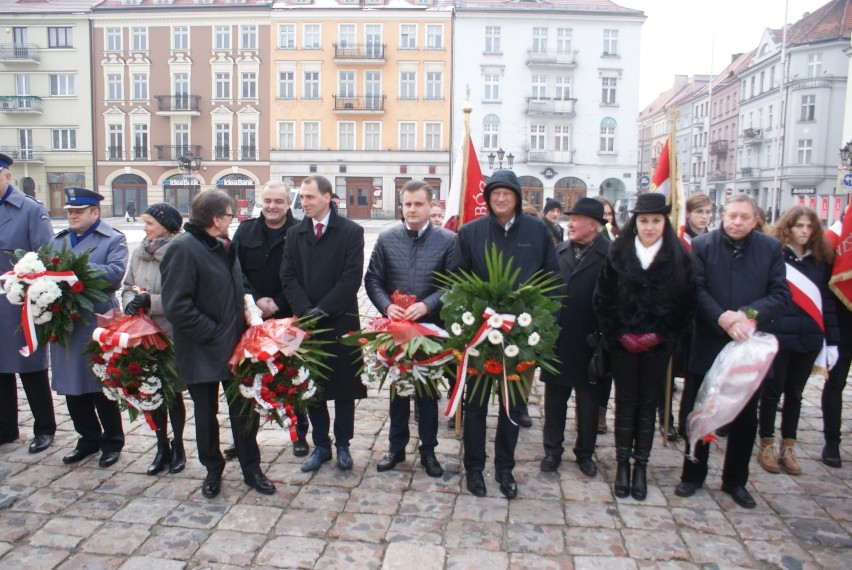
735 268
580 260
24 224
260 247
203 298
528 241
406 258
96 418
321 274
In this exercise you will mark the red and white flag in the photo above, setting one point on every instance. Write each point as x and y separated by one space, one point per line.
466 198
841 272
666 180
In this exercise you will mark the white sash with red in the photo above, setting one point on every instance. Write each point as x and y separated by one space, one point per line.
807 296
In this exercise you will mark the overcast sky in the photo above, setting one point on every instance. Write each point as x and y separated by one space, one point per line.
678 35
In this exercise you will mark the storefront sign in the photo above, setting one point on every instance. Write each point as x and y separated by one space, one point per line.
803 191
235 182
181 182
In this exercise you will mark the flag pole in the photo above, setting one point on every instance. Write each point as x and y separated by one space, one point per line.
466 109
674 218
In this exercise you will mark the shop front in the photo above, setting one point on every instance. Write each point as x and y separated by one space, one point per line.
127 188
179 190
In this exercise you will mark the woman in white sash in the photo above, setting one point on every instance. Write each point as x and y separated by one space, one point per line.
806 331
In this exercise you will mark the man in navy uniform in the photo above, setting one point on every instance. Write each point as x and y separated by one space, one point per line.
96 418
24 224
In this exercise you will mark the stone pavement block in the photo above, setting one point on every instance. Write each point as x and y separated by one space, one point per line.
248 518
149 563
773 483
305 523
586 514
795 506
646 517
416 529
535 511
603 563
830 557
589 491
33 558
291 552
824 485
474 534
315 497
594 542
11 494
62 532
483 509
711 521
15 526
87 561
373 502
424 504
7 469
526 560
36 476
388 481
820 532
97 505
785 554
83 479
541 539
470 559
752 526
667 565
126 484
196 515
331 476
4 548
408 556
341 554
448 483
657 544
720 550
173 542
229 547
836 507
116 539
359 527
280 500
145 510
174 488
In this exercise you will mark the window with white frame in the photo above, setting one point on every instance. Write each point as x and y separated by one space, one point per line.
286 36
814 65
563 88
432 136
310 89
492 39
287 84
539 40
539 87
61 84
491 132
112 38
608 85
537 134
346 83
115 137
222 144
64 139
563 41
607 135
492 87
140 141
180 38
373 40
804 151
222 37
248 141
372 135
561 138
434 88
248 37
180 89
115 87
248 81
408 85
770 117
407 136
434 36
222 84
310 135
180 132
22 84
808 108
373 89
346 36
139 38
286 135
311 36
346 135
610 42
408 36
60 37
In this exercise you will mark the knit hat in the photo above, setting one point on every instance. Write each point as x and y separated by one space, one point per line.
551 204
166 215
504 179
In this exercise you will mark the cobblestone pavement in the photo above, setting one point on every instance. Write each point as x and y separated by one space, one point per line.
54 516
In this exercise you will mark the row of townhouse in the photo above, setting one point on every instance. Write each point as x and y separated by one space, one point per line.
156 100
769 124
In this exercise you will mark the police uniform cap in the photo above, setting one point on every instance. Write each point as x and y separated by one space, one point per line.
5 161
77 198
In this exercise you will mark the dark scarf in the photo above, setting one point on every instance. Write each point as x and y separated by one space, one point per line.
737 245
151 246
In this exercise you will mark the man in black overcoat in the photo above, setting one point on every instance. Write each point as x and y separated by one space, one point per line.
580 260
321 273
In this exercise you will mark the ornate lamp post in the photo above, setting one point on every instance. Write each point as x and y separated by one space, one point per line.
501 154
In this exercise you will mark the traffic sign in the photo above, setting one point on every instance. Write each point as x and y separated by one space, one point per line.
847 179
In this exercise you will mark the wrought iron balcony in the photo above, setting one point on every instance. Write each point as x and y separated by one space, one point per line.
24 153
359 52
248 152
140 153
115 153
538 58
748 172
174 152
221 152
178 104
20 104
752 135
550 106
20 53
719 147
370 103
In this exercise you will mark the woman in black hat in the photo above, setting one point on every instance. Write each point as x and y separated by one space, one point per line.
142 291
645 299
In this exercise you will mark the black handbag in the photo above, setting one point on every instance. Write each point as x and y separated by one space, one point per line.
599 365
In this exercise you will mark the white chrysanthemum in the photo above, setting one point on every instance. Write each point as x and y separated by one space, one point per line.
456 329
473 352
110 394
511 351
29 264
309 393
246 392
14 290
44 292
152 404
495 321
303 376
152 384
43 318
524 319
468 318
533 339
495 337
99 370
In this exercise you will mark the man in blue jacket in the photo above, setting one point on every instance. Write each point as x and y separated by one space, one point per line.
735 268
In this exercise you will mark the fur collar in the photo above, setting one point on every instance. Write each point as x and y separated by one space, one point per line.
624 260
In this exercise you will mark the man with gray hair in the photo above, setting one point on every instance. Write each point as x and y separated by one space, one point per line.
735 268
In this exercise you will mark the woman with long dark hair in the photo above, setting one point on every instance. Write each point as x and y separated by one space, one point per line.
803 331
645 299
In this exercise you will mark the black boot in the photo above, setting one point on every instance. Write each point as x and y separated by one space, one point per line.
644 441
178 462
624 416
163 456
178 417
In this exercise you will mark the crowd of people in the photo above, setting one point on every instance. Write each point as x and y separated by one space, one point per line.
648 299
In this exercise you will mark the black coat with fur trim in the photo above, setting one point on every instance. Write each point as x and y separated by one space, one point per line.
629 299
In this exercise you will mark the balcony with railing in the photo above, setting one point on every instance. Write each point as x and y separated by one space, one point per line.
20 104
20 53
178 105
748 172
544 106
222 152
548 58
140 153
752 136
174 152
550 156
115 153
695 179
698 122
24 153
359 53
369 104
248 152
719 147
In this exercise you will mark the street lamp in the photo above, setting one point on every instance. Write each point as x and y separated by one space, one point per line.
501 154
846 156
189 164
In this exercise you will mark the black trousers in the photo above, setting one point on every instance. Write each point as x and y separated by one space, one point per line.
587 399
244 425
738 450
832 394
790 374
427 427
98 421
344 423
177 415
604 391
37 388
475 416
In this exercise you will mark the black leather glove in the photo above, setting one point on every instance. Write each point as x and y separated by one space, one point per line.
140 301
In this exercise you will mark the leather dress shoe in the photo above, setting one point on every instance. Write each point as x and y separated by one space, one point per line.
301 447
212 485
109 458
432 466
40 443
587 466
390 460
524 420
260 483
344 458
229 453
508 486
686 488
317 458
672 433
740 496
78 455
476 483
551 462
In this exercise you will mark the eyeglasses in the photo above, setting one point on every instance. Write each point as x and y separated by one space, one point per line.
229 214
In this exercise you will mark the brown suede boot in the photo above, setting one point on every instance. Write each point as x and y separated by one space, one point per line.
767 456
786 459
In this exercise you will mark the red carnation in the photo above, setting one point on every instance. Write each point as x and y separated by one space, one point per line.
493 366
51 339
281 388
134 368
266 378
290 372
74 317
77 287
248 381
54 308
97 359
54 260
